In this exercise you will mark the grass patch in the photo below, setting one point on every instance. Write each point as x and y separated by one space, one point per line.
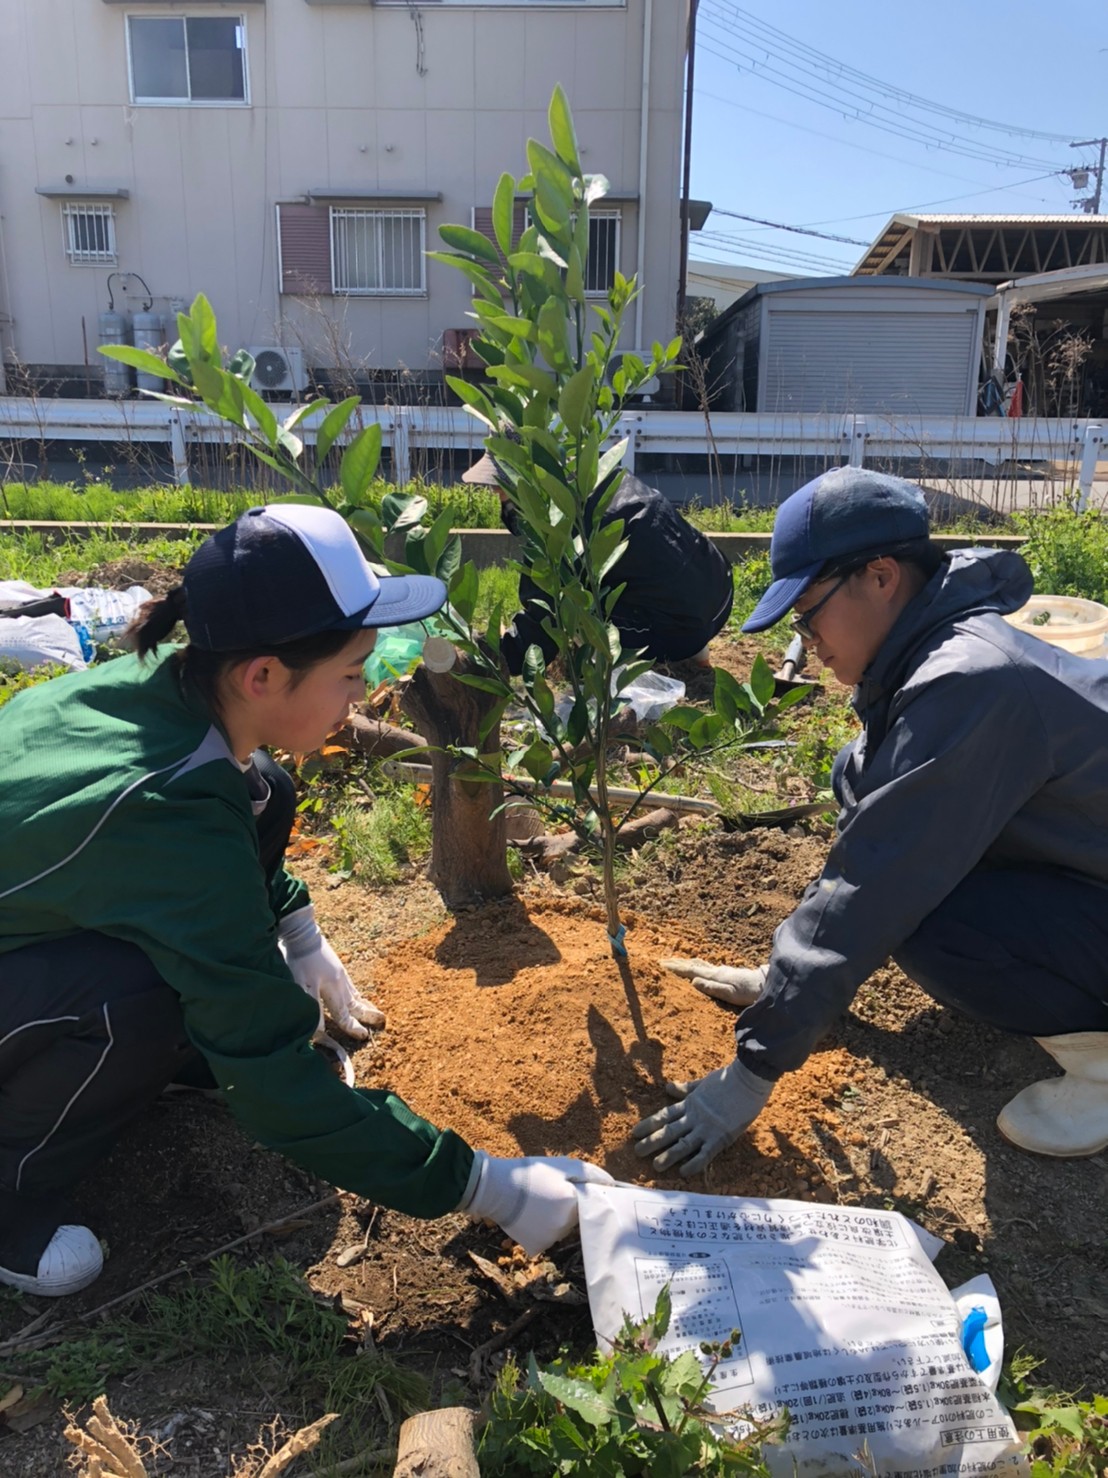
262 1327
377 843
44 563
98 502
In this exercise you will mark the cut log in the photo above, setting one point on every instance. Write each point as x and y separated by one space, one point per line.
437 1444
375 737
547 849
469 853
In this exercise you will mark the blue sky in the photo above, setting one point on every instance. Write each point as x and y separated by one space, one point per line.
761 150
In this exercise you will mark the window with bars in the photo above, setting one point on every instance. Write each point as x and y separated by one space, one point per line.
378 253
187 59
603 260
89 232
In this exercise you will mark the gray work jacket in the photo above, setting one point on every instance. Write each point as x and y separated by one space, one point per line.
982 744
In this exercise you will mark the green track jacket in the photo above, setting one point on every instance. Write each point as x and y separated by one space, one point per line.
122 810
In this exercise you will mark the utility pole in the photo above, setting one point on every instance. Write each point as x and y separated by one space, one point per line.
1091 204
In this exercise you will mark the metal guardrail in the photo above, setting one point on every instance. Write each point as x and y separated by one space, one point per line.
858 440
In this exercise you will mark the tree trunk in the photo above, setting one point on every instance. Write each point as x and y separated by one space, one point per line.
437 1444
469 854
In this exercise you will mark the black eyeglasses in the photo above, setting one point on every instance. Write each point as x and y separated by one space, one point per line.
802 624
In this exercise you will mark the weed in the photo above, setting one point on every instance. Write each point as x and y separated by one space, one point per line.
635 1411
1067 552
1067 1436
377 842
260 1321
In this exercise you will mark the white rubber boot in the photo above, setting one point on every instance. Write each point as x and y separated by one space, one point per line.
1067 1116
72 1260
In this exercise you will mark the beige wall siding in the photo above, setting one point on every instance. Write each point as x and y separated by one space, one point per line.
337 100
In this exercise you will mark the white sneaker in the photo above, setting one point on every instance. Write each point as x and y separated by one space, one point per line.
72 1260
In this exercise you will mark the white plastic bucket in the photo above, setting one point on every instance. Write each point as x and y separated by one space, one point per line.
1066 621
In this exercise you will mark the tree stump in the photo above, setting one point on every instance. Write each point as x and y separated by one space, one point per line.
469 854
437 1444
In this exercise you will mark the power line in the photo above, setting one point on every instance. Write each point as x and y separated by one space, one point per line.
835 138
886 88
926 204
718 210
740 244
851 105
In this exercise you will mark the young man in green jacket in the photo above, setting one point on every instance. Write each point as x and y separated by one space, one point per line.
146 916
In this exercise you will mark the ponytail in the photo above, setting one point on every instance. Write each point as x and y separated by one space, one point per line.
156 620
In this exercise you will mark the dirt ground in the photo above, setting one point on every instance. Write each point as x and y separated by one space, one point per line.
513 1025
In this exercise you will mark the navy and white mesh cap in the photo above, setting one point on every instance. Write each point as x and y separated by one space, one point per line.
847 511
291 570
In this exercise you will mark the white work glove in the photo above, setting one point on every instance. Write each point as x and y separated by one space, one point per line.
533 1199
709 1114
734 985
317 969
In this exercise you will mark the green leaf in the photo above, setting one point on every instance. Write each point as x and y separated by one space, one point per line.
269 461
538 759
140 359
359 463
574 401
287 440
464 238
478 275
204 327
290 423
401 511
464 590
706 730
241 365
610 461
503 212
562 134
367 526
266 420
485 684
761 681
681 717
333 425
526 376
476 400
578 1396
729 697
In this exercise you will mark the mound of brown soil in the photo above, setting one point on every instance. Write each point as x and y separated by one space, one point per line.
519 1030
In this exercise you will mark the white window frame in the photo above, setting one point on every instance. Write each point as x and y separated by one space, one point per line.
417 215
187 102
613 213
76 256
606 215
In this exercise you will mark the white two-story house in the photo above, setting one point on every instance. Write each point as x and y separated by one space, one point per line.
293 159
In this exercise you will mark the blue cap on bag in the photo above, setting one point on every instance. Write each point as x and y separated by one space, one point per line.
845 512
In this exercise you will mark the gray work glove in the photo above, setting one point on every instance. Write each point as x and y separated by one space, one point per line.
533 1199
709 1114
734 985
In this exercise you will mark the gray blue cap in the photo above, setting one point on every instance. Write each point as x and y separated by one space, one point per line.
847 512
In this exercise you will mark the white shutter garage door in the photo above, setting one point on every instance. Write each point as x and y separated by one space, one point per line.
908 362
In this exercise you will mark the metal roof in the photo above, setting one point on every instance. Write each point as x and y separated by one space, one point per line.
899 228
860 285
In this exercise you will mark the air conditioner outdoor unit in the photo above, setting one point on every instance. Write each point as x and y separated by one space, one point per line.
278 370
648 387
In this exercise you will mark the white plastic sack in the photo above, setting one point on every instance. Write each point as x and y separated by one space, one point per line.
104 613
842 1320
35 641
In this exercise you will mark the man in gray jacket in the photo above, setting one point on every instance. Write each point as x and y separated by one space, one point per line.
972 843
